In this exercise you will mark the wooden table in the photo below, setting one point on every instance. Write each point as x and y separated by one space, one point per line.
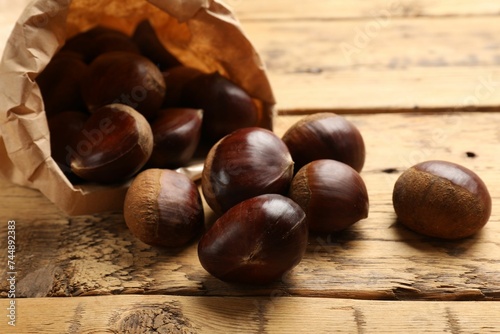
421 80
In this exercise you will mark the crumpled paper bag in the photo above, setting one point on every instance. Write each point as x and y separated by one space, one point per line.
202 33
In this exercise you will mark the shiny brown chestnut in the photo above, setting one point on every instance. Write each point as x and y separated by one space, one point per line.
163 208
99 40
332 194
244 164
226 106
60 84
114 144
441 199
151 47
255 242
176 135
325 136
64 127
126 78
176 79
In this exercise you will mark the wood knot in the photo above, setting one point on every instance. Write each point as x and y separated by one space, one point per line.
160 318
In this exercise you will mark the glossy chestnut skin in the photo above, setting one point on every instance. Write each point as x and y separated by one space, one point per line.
60 84
151 47
325 136
163 208
441 199
176 135
226 106
332 194
98 40
176 79
114 144
244 164
121 77
255 242
64 127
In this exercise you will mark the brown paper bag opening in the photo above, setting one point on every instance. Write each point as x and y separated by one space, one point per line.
201 33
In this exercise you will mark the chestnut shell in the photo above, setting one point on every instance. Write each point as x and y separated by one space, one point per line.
256 241
176 133
441 199
332 194
244 164
325 136
226 106
114 144
163 208
126 78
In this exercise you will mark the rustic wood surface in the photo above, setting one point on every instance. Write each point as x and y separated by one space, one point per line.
410 89
179 314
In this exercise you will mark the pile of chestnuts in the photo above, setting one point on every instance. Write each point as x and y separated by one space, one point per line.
119 104
266 211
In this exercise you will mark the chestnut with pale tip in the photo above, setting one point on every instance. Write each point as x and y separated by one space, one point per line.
325 136
441 199
256 242
244 164
332 194
163 208
114 144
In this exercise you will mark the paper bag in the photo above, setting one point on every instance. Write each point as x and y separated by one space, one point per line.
200 33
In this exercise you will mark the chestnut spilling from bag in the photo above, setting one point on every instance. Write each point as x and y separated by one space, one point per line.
201 41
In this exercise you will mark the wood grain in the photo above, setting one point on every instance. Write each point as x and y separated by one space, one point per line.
375 259
330 9
379 66
176 314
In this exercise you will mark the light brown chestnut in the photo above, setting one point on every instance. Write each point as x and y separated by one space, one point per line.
163 208
114 144
325 136
332 194
244 164
126 78
176 135
255 242
226 106
441 199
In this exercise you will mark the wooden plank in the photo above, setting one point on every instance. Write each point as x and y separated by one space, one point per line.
401 64
175 314
334 9
375 259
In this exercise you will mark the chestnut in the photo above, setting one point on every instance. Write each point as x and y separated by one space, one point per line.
176 134
441 199
325 136
126 78
64 127
226 106
114 144
151 47
60 84
255 242
332 194
163 208
99 40
175 79
244 164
